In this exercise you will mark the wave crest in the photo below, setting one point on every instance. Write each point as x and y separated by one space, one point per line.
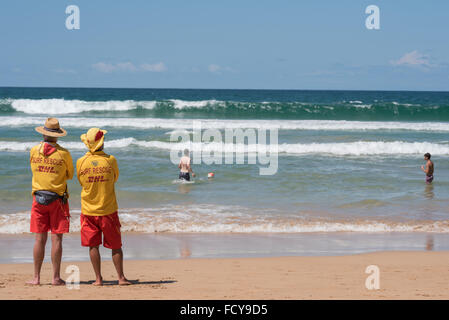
186 124
358 148
62 106
214 218
348 110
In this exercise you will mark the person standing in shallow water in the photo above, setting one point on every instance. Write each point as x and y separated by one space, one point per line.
97 173
428 169
185 167
51 166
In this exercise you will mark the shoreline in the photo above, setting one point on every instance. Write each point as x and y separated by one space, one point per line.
403 275
17 248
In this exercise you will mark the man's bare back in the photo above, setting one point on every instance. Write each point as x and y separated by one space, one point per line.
185 167
184 164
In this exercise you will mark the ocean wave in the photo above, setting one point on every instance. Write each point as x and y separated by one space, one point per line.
70 145
186 124
348 110
357 148
231 219
182 104
62 106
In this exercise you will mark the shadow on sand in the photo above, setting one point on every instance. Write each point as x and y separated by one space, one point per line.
133 282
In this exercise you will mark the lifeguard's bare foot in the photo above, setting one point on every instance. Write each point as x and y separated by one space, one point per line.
124 282
58 282
98 282
34 282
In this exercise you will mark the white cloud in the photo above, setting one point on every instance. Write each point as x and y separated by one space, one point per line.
214 68
157 67
126 66
103 67
62 70
413 58
129 67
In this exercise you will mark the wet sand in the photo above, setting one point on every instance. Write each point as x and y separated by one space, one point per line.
17 248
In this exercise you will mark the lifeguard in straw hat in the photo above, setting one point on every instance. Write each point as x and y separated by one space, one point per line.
51 166
97 173
52 129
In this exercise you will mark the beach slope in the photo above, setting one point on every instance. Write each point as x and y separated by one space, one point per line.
403 275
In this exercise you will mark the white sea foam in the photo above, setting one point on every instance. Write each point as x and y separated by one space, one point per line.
62 106
186 124
358 148
182 104
216 218
26 146
363 106
403 104
181 131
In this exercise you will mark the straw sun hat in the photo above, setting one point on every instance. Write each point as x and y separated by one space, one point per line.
52 128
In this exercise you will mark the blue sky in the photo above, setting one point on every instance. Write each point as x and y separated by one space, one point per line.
226 44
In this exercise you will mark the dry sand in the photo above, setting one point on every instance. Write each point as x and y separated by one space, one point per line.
403 275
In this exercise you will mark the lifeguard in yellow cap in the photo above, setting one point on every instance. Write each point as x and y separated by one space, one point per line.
97 173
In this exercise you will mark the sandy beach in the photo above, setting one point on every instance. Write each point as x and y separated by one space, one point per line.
403 275
223 151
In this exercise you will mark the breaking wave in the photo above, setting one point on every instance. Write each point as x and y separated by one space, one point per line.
358 148
186 124
337 110
229 219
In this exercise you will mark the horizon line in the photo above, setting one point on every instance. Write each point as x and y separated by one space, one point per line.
246 89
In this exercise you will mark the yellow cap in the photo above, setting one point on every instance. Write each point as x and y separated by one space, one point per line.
93 139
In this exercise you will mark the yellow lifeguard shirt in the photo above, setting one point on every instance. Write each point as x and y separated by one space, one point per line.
51 166
97 173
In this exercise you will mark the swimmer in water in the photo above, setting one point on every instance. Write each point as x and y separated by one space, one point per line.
184 166
428 170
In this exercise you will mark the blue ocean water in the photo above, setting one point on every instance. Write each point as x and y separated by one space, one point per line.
348 160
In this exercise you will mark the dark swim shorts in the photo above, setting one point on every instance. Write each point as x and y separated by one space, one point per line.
184 176
429 179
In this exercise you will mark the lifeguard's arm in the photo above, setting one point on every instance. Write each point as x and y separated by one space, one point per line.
31 154
78 169
70 169
115 168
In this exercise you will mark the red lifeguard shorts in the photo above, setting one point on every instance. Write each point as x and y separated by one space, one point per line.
54 217
92 227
